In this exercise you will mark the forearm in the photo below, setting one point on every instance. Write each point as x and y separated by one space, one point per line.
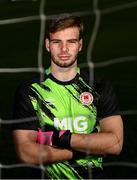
56 155
108 141
35 153
96 143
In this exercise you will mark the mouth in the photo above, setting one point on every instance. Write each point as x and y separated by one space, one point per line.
64 57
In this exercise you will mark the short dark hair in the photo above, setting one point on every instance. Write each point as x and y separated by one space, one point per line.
64 21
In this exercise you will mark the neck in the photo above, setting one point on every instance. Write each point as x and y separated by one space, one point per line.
64 74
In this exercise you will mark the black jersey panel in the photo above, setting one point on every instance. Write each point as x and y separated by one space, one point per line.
24 112
108 103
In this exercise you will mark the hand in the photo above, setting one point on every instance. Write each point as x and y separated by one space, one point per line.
54 138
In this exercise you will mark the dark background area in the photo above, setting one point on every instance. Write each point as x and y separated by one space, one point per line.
115 45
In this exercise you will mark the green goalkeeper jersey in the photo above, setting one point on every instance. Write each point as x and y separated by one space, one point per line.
72 105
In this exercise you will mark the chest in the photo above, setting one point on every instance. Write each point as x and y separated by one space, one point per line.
64 109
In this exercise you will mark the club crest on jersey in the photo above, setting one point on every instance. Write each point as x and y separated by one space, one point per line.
86 98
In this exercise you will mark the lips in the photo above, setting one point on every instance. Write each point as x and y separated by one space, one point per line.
64 57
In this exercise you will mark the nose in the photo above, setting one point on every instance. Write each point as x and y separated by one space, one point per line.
64 46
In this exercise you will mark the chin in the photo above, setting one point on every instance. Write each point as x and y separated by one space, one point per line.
65 64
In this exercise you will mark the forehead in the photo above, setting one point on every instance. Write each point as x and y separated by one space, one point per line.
68 33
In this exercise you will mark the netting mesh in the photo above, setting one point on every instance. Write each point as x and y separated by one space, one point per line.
110 50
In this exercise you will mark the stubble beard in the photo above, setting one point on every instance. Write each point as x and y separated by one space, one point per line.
63 64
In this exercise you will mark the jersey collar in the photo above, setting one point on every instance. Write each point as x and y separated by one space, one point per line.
48 72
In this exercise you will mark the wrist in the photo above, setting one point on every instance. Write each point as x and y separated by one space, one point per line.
62 139
57 138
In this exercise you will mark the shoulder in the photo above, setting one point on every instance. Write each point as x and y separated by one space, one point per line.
25 85
99 83
102 84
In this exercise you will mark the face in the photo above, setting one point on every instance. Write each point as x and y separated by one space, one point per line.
64 46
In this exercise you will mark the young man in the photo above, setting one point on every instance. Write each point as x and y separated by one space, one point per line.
71 125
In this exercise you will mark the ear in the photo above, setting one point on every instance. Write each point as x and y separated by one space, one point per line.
80 44
47 44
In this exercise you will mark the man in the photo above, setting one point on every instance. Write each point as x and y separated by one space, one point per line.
71 125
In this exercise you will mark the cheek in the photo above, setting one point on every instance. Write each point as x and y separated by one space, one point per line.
54 51
54 47
76 50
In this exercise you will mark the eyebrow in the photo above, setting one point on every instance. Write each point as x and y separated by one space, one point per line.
73 39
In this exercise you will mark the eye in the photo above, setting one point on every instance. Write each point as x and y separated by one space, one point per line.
73 41
55 41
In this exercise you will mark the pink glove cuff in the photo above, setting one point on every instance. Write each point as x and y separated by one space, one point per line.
44 137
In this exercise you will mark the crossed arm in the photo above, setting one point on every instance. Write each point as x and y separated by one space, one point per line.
108 141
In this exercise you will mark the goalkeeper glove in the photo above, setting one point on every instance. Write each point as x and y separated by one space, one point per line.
55 138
